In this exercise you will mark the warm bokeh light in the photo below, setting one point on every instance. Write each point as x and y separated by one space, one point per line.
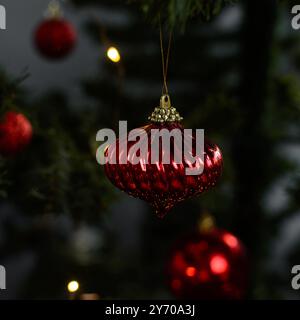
231 240
73 286
113 54
90 296
190 271
206 222
218 264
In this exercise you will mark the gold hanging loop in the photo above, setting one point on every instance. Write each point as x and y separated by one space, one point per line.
165 60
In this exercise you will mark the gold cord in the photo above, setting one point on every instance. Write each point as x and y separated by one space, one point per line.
165 62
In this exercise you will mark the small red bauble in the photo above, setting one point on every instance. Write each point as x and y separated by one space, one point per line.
55 38
15 133
164 185
208 265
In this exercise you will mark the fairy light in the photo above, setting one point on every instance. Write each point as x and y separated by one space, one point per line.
113 54
73 286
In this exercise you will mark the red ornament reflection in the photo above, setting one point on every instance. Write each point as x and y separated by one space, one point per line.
218 264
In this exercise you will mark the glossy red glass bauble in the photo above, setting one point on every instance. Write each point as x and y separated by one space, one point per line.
164 185
15 133
208 265
55 38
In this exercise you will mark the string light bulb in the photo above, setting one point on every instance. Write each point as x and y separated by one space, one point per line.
206 222
73 286
113 54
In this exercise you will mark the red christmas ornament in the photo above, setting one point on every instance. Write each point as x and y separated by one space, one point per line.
55 38
208 265
15 133
163 185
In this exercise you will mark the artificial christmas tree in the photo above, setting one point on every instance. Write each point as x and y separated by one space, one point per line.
58 208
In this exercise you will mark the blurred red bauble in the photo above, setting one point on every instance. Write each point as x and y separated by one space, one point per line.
208 265
163 185
15 133
55 38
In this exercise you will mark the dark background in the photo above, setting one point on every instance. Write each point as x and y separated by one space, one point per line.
236 76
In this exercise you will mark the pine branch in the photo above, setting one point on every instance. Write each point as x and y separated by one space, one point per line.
177 13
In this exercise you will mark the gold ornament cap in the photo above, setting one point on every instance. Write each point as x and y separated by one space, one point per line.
54 10
165 112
